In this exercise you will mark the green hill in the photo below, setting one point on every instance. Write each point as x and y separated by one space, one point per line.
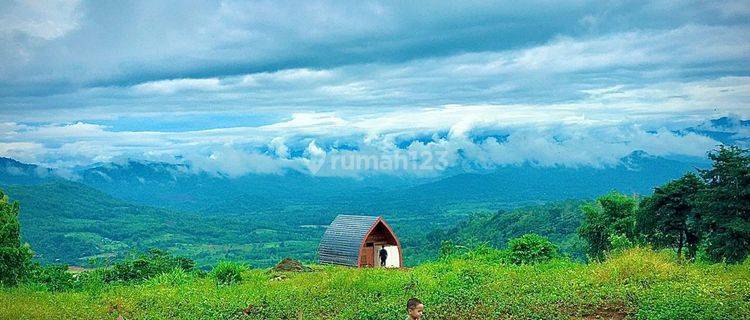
71 223
557 221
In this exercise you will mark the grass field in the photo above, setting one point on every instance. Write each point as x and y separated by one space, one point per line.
637 284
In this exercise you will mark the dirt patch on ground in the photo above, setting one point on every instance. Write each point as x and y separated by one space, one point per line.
291 265
609 310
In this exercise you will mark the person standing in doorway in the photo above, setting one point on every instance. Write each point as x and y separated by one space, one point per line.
383 256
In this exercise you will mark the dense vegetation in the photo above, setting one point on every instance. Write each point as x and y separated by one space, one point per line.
67 222
112 210
489 266
15 257
556 221
636 283
712 213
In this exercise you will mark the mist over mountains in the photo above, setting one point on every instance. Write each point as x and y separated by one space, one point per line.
108 209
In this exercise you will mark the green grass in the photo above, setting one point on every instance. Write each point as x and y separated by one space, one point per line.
638 284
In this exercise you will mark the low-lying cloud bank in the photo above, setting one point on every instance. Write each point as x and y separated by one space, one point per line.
420 142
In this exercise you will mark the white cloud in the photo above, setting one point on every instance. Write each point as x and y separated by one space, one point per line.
42 19
178 85
28 152
458 135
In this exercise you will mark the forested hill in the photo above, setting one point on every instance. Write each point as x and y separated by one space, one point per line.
67 222
116 208
557 221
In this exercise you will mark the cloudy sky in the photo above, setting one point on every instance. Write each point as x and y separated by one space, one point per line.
264 86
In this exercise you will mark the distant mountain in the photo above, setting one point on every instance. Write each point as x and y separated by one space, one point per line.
729 130
114 208
523 185
177 186
14 172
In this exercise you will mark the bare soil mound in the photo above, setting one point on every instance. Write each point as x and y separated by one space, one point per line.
291 265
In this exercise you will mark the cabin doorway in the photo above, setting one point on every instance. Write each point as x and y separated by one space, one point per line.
393 259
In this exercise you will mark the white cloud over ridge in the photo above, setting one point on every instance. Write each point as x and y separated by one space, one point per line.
461 136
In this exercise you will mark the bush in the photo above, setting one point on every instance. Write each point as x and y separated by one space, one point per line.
227 272
175 277
146 266
530 248
54 277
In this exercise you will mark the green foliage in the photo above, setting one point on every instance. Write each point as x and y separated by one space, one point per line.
619 242
530 249
632 284
15 258
52 277
610 214
227 272
669 217
449 249
725 205
557 221
176 277
145 266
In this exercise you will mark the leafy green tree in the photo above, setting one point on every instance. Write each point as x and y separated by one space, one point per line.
611 214
530 248
669 217
15 258
725 205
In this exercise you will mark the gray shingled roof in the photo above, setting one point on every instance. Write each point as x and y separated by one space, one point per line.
343 239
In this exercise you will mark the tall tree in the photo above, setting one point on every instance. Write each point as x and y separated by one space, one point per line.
669 216
15 258
611 214
725 204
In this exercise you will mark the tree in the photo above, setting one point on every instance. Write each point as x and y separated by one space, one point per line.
610 214
669 217
15 258
530 248
725 205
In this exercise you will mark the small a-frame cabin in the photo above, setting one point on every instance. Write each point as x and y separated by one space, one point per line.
357 240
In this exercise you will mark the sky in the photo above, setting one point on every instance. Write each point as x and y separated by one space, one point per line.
238 87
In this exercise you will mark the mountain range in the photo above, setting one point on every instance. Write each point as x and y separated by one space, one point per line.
111 209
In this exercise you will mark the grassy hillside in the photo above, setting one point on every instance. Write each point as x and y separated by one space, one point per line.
71 223
636 284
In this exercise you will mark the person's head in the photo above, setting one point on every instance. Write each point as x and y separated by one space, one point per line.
415 308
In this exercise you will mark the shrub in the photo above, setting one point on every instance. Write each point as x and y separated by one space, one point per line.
175 277
146 266
227 272
530 248
54 277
